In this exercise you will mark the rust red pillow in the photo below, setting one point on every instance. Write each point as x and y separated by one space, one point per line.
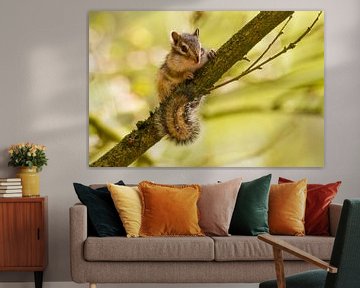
319 197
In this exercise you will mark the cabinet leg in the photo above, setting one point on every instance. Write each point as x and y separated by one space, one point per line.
38 279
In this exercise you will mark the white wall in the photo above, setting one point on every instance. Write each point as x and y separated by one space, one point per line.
43 88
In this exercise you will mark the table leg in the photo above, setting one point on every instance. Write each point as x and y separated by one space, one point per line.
38 279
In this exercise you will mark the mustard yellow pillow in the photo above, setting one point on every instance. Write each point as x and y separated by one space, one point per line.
169 210
287 204
127 201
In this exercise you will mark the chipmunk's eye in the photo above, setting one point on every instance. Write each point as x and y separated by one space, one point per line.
184 48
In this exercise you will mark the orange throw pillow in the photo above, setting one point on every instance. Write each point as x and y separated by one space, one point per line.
169 210
287 204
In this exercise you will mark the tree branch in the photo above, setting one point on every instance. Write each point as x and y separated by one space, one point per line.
252 67
144 137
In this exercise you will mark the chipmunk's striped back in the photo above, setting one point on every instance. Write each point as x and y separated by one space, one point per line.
178 115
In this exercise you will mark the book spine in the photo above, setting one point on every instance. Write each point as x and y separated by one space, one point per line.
10 183
10 179
10 187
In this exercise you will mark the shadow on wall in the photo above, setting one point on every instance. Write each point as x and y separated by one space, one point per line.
43 77
4 159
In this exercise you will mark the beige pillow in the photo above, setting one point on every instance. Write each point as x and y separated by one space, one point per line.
216 206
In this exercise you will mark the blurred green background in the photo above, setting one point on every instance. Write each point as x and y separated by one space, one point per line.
273 117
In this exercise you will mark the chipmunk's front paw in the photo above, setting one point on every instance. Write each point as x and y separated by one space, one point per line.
211 54
189 75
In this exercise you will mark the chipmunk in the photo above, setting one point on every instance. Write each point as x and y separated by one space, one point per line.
178 117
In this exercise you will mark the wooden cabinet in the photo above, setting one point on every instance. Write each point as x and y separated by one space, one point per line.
23 235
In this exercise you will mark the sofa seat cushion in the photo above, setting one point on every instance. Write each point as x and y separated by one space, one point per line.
149 249
244 248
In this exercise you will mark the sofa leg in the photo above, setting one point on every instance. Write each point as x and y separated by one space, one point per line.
92 285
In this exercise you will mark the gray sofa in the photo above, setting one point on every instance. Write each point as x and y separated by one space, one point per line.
234 259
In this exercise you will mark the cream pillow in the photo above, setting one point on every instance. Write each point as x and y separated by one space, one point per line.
127 201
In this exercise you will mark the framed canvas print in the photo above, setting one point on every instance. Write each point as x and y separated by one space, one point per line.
206 89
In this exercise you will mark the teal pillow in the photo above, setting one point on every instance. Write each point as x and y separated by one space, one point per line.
250 216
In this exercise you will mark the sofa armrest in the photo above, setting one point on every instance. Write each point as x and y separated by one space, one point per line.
334 217
78 235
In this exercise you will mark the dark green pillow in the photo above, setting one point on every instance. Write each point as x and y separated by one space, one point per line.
103 218
250 216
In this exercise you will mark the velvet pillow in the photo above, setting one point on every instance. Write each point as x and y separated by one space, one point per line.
169 210
319 197
101 211
287 204
216 206
127 201
250 215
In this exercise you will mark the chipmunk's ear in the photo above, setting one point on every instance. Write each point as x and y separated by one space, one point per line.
196 33
175 37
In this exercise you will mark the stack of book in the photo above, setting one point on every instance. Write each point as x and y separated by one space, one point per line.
10 187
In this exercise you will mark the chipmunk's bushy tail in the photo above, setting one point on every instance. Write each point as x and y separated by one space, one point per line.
178 119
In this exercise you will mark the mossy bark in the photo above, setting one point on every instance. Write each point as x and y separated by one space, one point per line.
144 137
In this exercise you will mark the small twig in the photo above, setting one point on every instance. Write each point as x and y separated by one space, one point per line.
308 29
252 67
281 32
257 60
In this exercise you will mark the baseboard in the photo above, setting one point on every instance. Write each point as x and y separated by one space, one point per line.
74 285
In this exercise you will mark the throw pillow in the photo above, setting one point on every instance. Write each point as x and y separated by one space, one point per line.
319 197
216 206
102 214
127 201
250 215
287 204
169 210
